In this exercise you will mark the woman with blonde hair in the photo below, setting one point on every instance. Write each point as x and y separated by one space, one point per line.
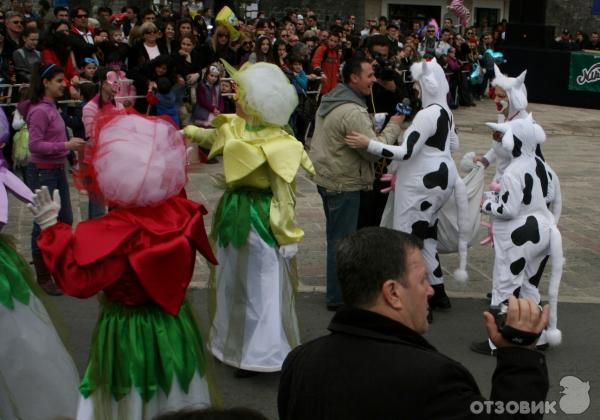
218 48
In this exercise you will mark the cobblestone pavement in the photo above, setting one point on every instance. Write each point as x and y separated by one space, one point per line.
572 148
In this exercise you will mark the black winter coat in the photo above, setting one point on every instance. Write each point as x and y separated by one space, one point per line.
372 367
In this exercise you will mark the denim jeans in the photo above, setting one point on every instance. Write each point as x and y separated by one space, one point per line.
341 215
95 210
53 179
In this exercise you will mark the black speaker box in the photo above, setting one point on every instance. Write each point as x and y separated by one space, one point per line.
529 35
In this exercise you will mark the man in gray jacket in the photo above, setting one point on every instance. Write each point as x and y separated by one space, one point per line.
341 172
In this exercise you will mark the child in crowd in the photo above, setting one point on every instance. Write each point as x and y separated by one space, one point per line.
164 99
227 93
87 73
114 51
210 102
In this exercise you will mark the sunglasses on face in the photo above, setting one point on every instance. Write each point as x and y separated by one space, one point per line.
16 22
82 16
150 32
222 35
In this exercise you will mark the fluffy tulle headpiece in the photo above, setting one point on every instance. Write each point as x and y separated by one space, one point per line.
136 161
264 92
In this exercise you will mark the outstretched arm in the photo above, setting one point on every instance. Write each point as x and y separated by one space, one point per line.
414 139
204 137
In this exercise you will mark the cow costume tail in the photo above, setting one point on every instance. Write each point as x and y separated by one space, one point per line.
553 334
462 213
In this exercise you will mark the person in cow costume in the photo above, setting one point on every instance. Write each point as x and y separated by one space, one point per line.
426 175
510 96
524 229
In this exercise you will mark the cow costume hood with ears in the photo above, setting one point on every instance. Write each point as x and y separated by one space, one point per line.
515 89
520 136
432 82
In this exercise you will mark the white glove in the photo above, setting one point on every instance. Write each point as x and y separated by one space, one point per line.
45 209
288 251
490 196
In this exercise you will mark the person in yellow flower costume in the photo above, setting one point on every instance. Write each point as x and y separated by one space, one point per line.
254 324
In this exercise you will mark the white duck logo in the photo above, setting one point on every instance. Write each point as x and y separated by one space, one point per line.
575 399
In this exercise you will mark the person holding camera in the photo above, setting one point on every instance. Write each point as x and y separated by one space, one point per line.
385 96
376 363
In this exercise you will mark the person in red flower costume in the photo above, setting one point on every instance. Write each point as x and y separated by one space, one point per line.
147 353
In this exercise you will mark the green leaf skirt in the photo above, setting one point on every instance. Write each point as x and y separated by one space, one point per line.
145 348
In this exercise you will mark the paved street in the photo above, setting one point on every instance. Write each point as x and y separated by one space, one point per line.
573 150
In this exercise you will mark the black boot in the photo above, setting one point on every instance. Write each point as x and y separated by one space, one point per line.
439 300
44 278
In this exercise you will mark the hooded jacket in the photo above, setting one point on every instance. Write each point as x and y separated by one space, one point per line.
47 131
338 167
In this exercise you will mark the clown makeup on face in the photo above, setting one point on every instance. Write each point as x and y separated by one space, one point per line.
501 100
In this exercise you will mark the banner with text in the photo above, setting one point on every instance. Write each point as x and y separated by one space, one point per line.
584 72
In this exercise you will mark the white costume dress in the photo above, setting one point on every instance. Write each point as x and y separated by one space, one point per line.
426 175
524 229
253 317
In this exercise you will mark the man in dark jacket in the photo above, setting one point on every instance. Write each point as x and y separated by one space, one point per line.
375 364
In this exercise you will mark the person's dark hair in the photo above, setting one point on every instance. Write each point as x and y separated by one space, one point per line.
393 25
380 40
369 257
88 91
59 9
353 66
163 85
295 59
105 9
100 77
28 31
56 41
44 4
39 73
163 59
237 413
336 30
148 12
75 11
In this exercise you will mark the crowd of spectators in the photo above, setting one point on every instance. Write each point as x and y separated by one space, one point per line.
175 58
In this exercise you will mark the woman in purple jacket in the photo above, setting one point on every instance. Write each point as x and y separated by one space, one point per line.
48 147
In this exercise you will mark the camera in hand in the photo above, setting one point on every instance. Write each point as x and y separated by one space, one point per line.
514 335
383 68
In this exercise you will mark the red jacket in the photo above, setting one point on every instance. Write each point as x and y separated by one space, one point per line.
329 62
50 57
134 255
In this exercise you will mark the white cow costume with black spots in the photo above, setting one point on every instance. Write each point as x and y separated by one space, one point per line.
515 108
524 229
426 175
